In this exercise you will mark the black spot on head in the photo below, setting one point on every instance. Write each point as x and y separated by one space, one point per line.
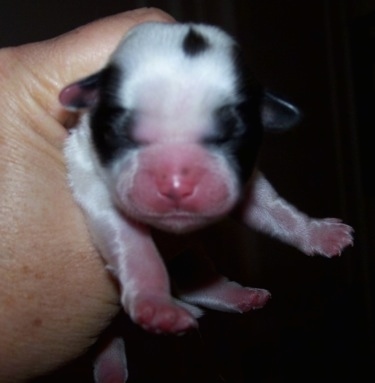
194 43
111 123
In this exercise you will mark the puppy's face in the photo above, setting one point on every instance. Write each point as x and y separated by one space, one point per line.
175 129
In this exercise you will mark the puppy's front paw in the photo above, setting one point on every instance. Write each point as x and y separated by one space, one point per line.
328 237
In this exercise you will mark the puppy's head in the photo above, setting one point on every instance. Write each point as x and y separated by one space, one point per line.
176 124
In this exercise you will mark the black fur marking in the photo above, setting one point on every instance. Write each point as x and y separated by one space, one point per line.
248 143
238 132
194 43
238 127
111 123
90 82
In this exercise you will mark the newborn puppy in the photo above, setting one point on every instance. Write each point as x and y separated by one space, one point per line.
168 138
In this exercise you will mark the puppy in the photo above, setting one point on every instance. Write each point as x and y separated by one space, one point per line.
168 138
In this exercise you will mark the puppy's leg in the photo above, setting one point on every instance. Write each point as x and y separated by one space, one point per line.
264 210
207 288
133 258
111 366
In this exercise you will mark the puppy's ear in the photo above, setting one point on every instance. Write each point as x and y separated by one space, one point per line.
82 94
277 114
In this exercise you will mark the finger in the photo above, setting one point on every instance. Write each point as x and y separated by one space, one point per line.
86 49
50 65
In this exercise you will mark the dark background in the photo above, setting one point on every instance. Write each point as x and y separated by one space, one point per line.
319 324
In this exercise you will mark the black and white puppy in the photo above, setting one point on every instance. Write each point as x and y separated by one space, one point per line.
168 139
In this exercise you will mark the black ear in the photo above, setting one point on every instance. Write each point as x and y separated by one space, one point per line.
81 94
278 114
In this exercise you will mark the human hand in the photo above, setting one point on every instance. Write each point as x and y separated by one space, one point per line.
55 296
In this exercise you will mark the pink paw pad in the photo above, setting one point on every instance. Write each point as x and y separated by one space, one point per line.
329 237
160 315
253 299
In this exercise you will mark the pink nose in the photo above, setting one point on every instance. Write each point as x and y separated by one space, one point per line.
176 187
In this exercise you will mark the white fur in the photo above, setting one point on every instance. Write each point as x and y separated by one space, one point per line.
145 52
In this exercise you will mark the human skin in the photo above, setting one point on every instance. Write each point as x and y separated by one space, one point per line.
55 295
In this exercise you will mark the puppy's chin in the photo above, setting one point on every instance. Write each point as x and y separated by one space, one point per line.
179 223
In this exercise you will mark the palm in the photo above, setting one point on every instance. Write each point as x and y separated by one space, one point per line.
55 295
